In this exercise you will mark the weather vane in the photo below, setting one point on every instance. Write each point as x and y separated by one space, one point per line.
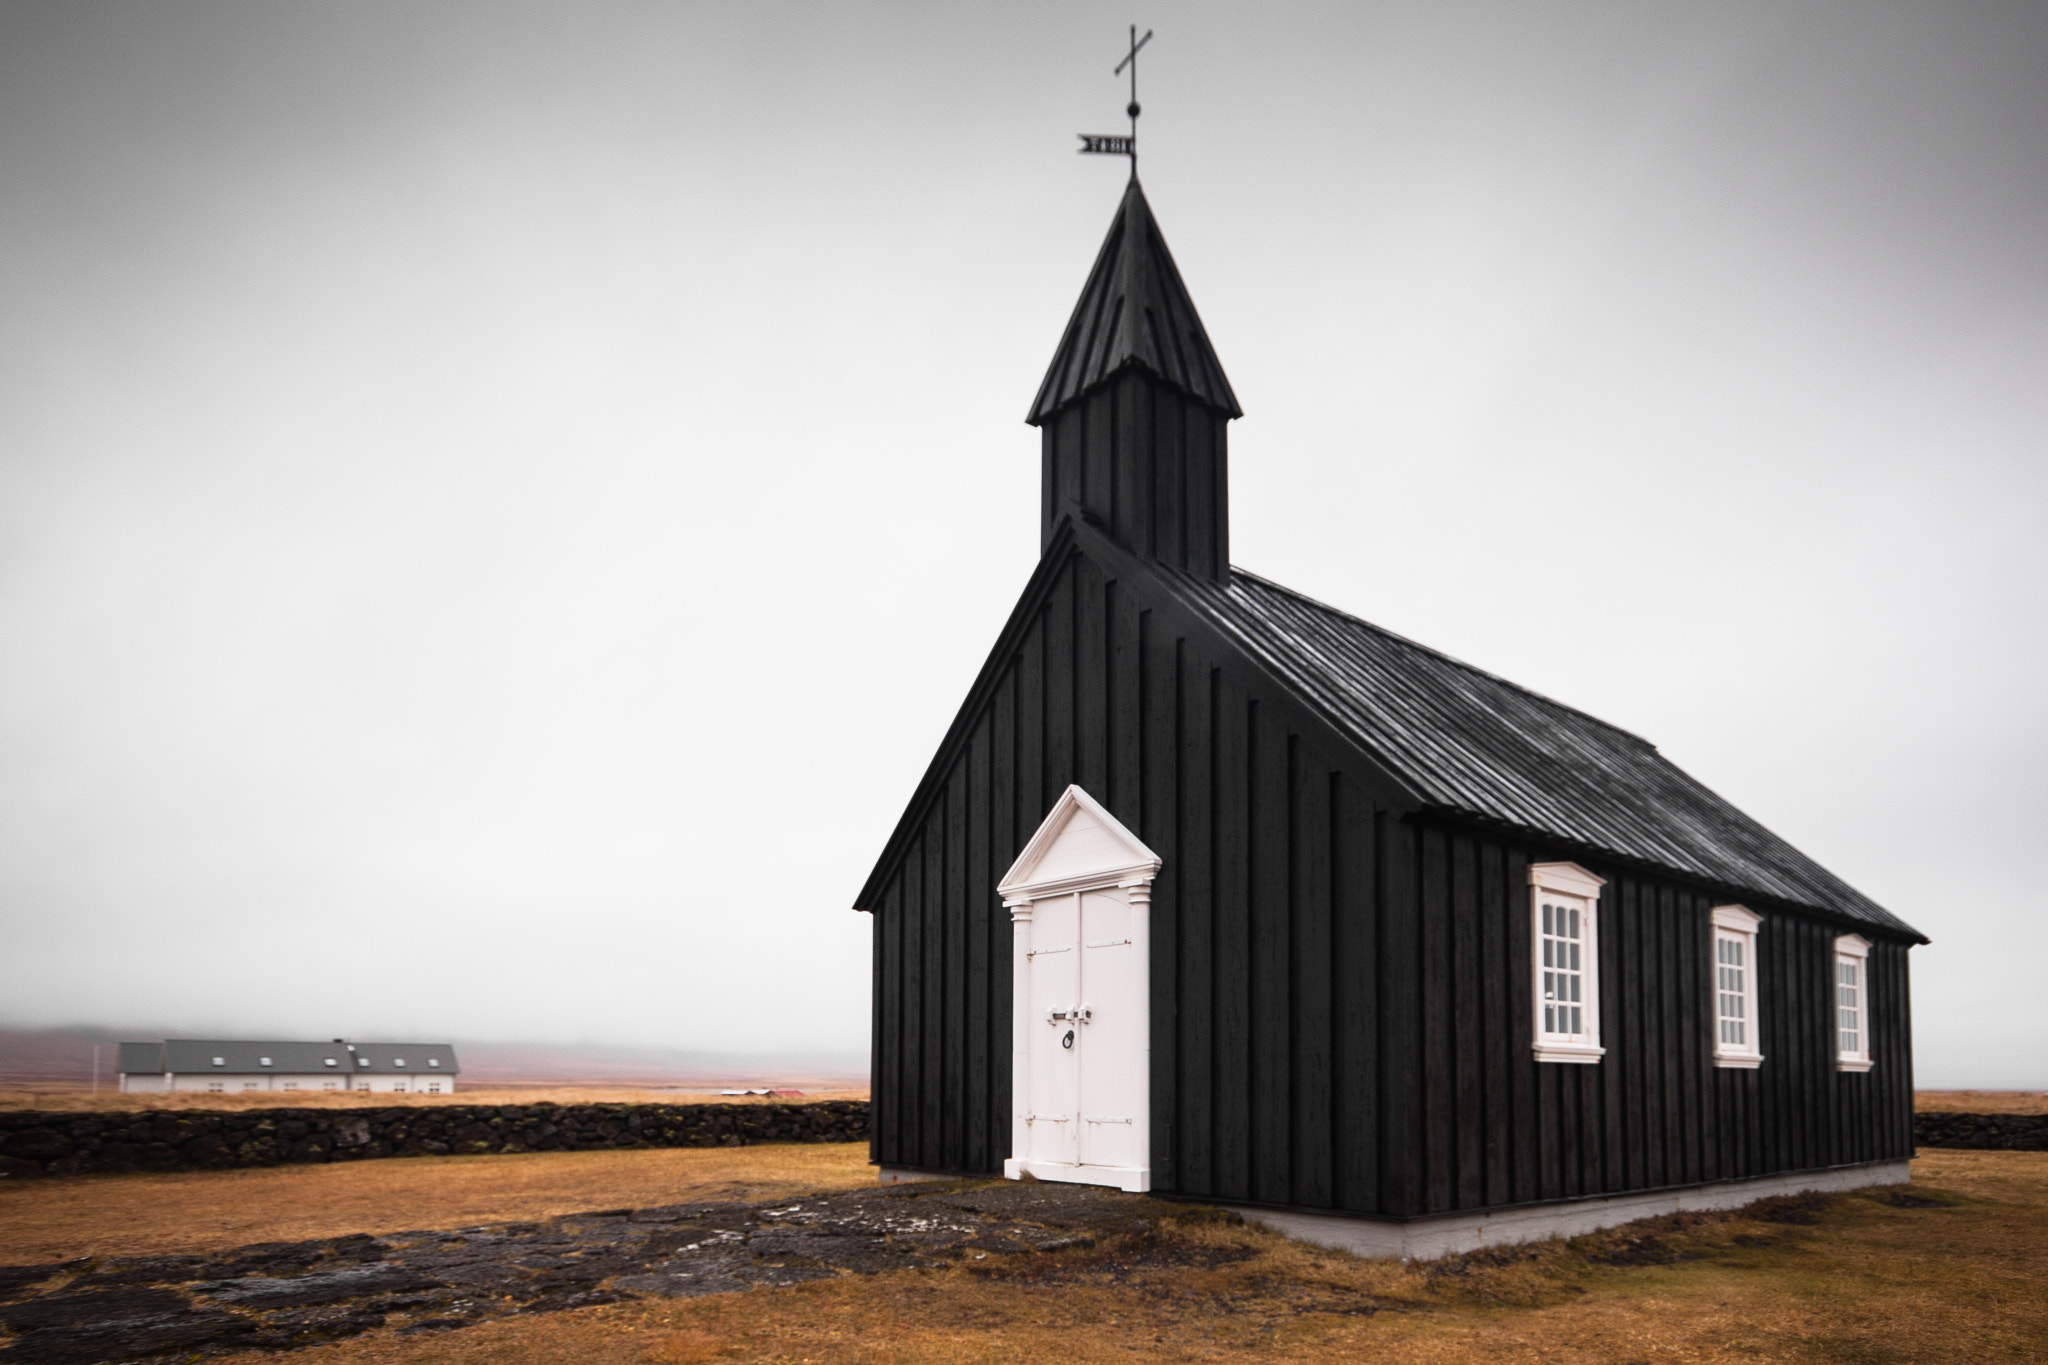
1109 144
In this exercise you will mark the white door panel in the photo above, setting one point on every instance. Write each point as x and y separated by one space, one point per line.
1112 1037
1055 973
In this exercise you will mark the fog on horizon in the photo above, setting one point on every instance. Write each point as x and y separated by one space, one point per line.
499 503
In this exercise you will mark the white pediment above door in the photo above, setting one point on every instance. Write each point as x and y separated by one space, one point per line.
1079 843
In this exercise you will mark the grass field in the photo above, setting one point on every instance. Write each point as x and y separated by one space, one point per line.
1956 1270
1981 1101
189 1211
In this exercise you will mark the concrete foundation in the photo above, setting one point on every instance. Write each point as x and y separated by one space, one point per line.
1425 1239
897 1175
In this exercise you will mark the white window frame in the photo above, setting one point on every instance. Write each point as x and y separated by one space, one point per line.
1575 888
1735 925
1853 951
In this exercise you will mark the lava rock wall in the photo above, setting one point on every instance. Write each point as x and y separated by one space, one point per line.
39 1143
1995 1132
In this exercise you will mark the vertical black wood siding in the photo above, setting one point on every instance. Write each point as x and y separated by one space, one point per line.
1265 938
1151 463
1498 1127
1341 997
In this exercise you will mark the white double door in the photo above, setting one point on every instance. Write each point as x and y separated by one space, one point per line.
1087 1103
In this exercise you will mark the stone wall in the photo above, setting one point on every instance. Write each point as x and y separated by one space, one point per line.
1998 1132
37 1143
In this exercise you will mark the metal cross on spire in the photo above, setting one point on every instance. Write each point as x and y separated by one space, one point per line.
1108 143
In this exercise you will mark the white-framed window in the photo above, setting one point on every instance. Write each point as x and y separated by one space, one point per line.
216 1085
252 1085
1564 925
1736 1040
291 1085
433 1087
1852 1003
330 1085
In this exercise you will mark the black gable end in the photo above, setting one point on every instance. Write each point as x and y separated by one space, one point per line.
1274 833
1077 711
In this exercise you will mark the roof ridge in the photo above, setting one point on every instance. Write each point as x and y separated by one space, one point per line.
1451 659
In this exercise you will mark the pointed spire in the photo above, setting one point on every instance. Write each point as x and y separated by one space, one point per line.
1134 312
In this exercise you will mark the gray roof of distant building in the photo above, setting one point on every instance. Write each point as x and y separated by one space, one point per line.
137 1059
242 1057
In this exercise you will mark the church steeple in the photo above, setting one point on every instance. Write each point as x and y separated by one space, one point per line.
1132 412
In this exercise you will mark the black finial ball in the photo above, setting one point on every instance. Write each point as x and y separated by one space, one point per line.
1133 109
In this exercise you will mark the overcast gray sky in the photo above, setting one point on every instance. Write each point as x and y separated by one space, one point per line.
498 502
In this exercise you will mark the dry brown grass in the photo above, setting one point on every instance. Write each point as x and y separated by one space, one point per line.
1960 1277
1965 1280
187 1211
1981 1101
80 1098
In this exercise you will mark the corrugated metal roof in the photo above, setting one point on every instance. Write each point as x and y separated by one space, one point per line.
1134 310
373 1058
239 1057
140 1059
1479 746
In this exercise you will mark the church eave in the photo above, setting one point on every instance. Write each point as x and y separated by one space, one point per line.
985 682
1043 411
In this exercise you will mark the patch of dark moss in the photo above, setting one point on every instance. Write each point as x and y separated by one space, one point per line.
1792 1210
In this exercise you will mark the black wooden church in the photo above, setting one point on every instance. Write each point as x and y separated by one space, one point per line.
1215 890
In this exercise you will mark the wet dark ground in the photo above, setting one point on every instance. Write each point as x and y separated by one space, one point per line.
279 1295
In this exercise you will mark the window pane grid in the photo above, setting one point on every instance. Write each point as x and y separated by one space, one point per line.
1563 977
1732 984
1849 1005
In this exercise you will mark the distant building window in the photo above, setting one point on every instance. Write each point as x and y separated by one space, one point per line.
330 1085
291 1085
220 1061
216 1085
252 1085
398 1087
328 1060
1564 912
1852 1003
1736 1040
263 1061
362 1061
433 1061
433 1087
398 1061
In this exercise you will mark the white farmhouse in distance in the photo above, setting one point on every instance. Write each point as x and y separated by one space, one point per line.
232 1067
